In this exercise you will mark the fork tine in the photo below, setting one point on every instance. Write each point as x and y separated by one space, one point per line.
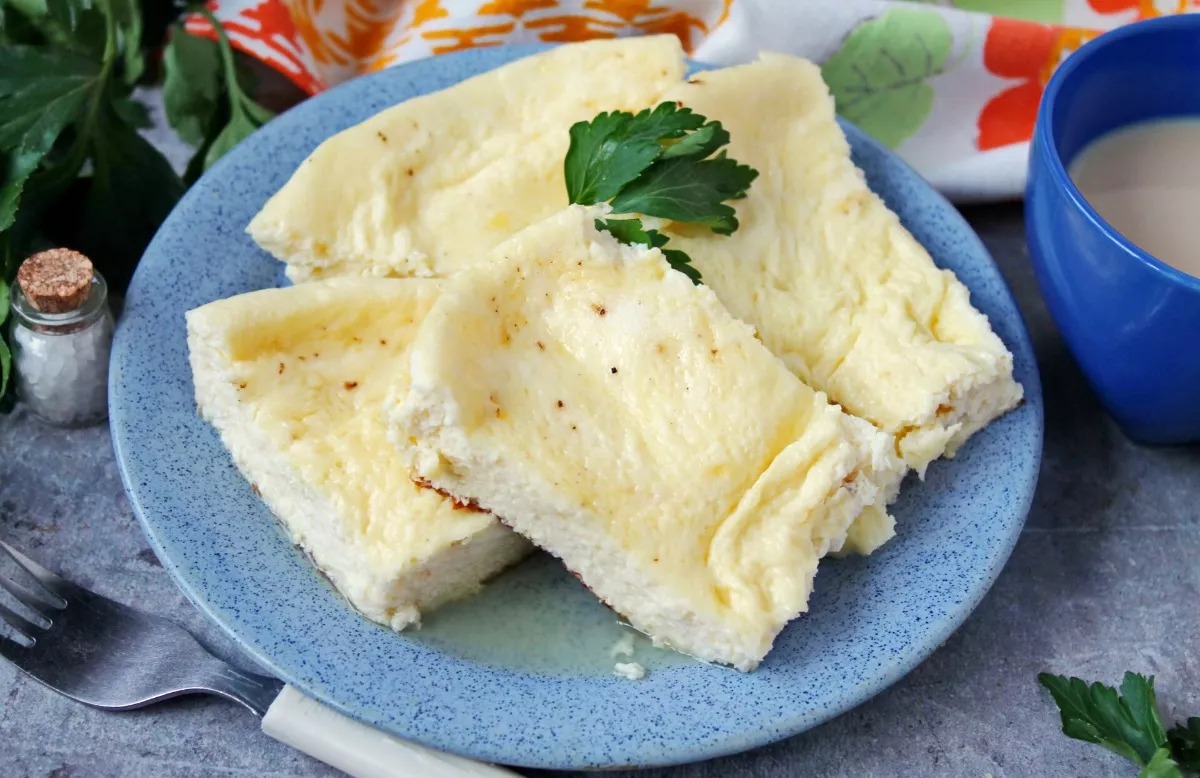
35 601
49 581
20 623
11 650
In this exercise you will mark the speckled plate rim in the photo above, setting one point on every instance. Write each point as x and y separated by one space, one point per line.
497 715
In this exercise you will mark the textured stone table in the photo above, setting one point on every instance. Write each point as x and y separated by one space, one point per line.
1105 578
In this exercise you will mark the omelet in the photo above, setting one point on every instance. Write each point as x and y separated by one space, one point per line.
294 381
834 284
428 186
619 417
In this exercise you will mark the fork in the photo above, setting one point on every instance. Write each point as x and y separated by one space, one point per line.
107 655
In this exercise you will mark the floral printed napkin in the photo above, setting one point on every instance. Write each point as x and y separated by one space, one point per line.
951 85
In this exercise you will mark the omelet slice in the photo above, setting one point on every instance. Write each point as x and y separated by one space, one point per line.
294 381
834 284
621 418
428 186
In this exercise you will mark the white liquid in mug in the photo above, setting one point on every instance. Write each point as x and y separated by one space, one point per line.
1144 180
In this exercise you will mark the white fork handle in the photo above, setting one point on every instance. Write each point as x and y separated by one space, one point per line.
360 750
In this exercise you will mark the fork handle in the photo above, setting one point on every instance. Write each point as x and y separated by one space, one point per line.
360 750
254 691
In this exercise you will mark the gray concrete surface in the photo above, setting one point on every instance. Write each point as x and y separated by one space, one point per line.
1105 578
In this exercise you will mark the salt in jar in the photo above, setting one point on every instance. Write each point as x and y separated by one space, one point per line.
62 337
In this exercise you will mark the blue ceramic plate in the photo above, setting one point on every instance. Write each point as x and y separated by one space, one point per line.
521 673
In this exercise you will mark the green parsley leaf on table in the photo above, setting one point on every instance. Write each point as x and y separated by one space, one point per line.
42 92
1161 765
656 163
198 73
1127 725
1185 743
192 84
132 190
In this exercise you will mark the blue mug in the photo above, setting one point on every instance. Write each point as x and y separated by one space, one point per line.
1132 322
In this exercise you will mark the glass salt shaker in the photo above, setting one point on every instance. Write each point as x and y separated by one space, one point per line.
62 337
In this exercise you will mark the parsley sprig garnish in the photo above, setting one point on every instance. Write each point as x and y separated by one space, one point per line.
656 163
1127 723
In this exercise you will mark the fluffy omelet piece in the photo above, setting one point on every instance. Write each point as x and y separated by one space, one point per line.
619 417
428 186
829 277
294 381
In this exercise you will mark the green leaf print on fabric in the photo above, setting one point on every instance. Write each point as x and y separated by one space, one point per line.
1048 11
879 77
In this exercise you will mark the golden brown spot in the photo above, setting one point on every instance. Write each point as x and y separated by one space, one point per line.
350 385
456 503
499 413
944 410
303 358
356 339
316 354
660 348
254 488
382 137
382 342
900 436
560 403
541 345
695 81
574 427
600 310
281 368
714 352
409 172
241 385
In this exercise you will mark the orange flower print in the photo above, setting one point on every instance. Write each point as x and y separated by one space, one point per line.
466 37
516 8
650 19
1028 51
571 28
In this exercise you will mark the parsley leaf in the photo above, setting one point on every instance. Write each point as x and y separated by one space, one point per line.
680 261
1161 765
198 72
133 188
684 189
614 148
631 231
1185 743
42 91
1127 725
655 163
701 143
192 86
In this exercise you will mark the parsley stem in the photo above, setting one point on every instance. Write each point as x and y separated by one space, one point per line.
233 89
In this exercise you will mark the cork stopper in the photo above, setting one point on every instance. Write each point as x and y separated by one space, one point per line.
56 281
